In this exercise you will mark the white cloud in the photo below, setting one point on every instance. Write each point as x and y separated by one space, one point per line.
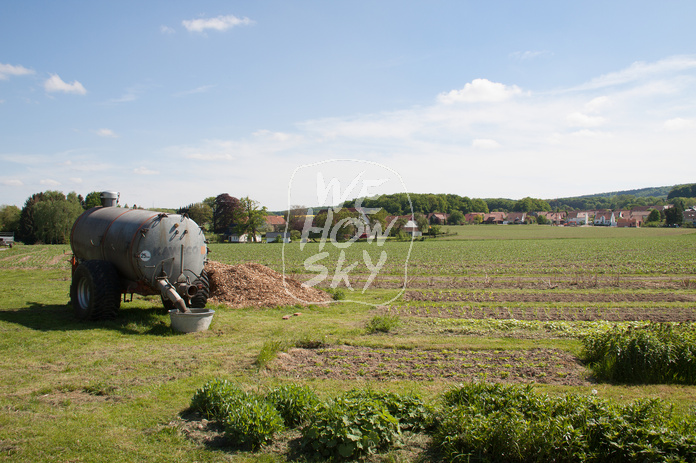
201 89
12 182
485 143
578 119
220 23
56 84
49 182
166 29
7 70
106 133
145 171
679 123
480 90
641 70
77 180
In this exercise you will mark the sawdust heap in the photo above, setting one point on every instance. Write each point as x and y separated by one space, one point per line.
255 285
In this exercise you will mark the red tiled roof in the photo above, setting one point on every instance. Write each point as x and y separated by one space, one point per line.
275 220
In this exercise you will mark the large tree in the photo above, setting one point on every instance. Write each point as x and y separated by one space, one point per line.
48 217
674 215
296 217
9 218
93 199
253 217
227 211
201 213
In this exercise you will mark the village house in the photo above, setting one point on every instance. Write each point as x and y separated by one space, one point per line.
516 217
437 218
411 229
272 237
243 238
474 217
690 216
605 218
555 218
495 217
276 223
578 218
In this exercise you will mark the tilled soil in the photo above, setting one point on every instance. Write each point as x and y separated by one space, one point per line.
547 296
255 285
611 314
539 366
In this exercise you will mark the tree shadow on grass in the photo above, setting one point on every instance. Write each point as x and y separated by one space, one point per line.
51 317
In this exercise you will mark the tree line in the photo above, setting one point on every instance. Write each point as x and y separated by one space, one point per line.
47 217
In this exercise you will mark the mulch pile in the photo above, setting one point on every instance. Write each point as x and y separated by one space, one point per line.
255 285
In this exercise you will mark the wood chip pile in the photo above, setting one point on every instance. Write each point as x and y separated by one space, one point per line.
255 285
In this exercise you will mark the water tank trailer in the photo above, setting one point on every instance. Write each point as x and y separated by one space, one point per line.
119 251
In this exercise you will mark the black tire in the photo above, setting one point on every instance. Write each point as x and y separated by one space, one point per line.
95 292
201 298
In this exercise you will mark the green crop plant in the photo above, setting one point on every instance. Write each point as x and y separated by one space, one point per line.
382 323
655 353
251 422
492 422
293 402
349 428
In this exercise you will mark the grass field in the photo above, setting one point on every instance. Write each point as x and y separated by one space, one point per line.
491 303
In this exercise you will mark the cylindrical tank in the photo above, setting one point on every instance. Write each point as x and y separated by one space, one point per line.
143 245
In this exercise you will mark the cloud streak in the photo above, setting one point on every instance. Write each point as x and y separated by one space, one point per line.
8 70
219 23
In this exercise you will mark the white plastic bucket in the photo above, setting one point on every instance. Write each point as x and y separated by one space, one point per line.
191 322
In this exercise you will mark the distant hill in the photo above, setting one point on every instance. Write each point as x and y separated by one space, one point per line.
656 192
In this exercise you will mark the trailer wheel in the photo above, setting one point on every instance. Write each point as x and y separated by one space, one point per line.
201 298
95 291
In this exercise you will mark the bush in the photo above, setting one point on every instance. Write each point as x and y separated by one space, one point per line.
248 420
252 422
382 323
656 353
349 428
338 294
294 403
411 412
215 398
483 422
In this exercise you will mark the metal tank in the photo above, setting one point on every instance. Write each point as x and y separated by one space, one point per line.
118 251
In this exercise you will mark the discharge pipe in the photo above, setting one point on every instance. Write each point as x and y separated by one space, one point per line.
169 291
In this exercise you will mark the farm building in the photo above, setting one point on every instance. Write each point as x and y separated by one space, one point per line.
275 223
272 237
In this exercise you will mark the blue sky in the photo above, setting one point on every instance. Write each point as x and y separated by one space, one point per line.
170 102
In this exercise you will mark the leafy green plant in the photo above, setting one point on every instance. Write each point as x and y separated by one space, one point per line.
249 421
382 323
252 422
410 410
215 399
490 422
294 403
338 294
349 428
655 353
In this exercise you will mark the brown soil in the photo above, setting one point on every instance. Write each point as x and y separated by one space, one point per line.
567 282
547 296
537 366
611 314
255 285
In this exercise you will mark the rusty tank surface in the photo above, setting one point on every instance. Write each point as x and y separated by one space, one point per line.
118 251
